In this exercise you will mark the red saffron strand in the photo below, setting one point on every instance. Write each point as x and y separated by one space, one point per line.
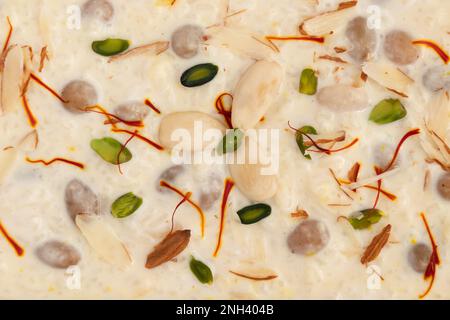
430 44
351 144
388 195
48 88
165 184
293 38
266 278
17 248
226 192
123 148
319 148
112 119
430 272
152 106
48 163
397 150
221 108
185 198
139 136
31 118
379 182
8 37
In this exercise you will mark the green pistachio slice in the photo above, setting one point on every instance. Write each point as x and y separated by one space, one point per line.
387 111
254 213
110 47
201 271
300 141
308 82
231 141
125 205
365 218
199 75
109 148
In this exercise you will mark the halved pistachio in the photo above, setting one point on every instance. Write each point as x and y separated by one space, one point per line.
201 271
308 82
199 75
365 218
254 213
125 205
231 141
109 148
387 111
110 47
300 141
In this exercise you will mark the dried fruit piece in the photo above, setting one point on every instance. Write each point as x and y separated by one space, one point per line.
419 257
110 47
362 39
387 111
78 95
172 245
132 111
254 213
125 205
199 75
80 199
308 82
399 48
99 9
111 150
443 186
376 245
309 237
201 271
58 254
186 41
169 175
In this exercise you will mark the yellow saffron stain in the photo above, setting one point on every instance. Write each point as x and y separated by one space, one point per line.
165 2
72 149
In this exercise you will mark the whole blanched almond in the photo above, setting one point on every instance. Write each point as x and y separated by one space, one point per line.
251 176
343 98
255 93
190 125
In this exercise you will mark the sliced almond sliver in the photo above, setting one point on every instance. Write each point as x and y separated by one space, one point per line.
103 240
12 78
388 76
7 158
154 48
328 22
241 41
